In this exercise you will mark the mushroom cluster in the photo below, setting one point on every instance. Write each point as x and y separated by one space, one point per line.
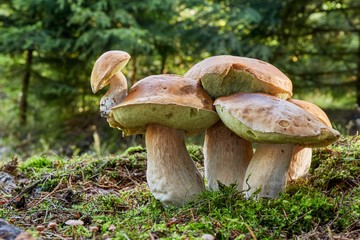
253 100
238 101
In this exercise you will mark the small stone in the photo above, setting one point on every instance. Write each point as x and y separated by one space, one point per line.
7 182
8 231
24 236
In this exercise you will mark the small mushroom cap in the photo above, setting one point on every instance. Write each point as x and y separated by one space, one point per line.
72 222
94 228
225 74
106 66
111 228
40 228
265 118
170 100
52 225
313 109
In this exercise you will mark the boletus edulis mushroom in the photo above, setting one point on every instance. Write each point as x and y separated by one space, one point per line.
276 125
107 71
302 156
164 108
227 155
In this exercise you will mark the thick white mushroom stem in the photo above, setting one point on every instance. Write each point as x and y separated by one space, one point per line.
300 162
116 93
267 170
226 156
171 173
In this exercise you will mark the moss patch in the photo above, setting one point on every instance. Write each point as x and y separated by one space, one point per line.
111 193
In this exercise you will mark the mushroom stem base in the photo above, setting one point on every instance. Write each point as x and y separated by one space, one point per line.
171 174
300 162
226 156
268 169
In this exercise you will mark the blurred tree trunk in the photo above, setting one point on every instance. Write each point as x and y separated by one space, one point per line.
23 105
163 63
358 74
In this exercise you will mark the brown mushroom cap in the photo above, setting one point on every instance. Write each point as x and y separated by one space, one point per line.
224 75
106 66
265 118
170 100
313 109
40 228
52 225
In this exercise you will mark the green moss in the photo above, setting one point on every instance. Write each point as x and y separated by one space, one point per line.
327 200
135 157
196 153
36 166
136 149
37 162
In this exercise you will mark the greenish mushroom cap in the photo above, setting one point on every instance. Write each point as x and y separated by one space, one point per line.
224 75
169 100
264 118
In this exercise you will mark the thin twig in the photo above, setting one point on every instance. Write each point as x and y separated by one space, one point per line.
126 236
46 196
250 231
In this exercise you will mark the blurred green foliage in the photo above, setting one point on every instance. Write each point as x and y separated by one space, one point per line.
47 50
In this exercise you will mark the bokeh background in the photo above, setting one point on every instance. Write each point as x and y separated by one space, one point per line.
48 48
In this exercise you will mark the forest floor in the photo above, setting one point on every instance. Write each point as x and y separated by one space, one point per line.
111 198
